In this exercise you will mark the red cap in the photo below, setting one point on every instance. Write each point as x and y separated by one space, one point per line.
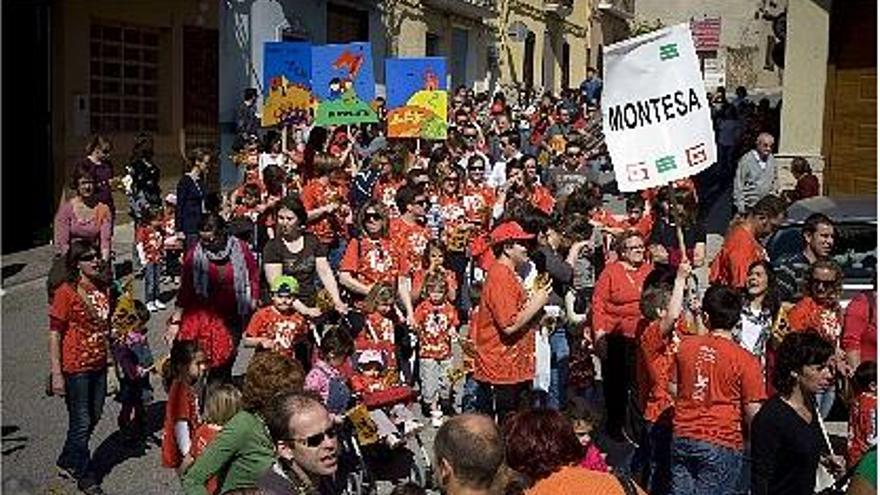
509 231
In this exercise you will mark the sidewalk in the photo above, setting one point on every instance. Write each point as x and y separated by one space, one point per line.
33 264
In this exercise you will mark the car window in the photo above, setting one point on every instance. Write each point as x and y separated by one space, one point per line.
855 248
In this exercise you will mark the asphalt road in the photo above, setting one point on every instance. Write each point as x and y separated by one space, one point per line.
34 425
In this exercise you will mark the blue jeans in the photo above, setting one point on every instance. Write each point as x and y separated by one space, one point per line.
701 468
559 352
825 401
152 272
84 396
335 252
469 394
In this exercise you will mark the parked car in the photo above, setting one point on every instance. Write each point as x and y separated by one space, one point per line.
855 243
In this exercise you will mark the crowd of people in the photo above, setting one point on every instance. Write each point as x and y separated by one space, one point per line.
479 286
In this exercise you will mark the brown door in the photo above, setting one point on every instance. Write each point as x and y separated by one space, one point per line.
200 93
850 142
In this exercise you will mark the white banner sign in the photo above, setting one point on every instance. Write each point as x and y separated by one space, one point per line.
655 115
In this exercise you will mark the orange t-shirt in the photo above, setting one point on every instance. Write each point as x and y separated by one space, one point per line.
716 379
436 326
542 199
616 299
456 233
731 266
182 405
577 480
655 360
372 261
807 314
478 201
502 359
385 192
204 435
84 332
285 330
410 240
316 194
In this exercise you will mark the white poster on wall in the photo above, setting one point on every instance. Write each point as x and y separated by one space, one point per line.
655 115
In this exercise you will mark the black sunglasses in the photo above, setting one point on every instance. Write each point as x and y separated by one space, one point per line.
88 258
372 216
422 202
318 438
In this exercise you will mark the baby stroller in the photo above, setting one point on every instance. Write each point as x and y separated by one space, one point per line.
379 411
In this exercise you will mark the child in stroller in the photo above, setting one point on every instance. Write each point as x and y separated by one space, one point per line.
384 397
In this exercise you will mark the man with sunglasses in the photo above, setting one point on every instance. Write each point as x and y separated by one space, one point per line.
306 448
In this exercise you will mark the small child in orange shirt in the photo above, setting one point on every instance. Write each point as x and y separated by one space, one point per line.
863 413
150 249
279 327
437 325
378 331
222 403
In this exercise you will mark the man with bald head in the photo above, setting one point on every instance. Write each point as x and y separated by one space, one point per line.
468 455
755 174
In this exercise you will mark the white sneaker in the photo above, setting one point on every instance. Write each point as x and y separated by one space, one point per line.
159 305
151 307
411 426
436 419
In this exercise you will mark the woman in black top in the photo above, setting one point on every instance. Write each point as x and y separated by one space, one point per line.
191 197
145 191
787 440
299 254
663 241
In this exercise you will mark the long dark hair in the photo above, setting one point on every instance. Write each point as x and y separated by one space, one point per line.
183 352
771 300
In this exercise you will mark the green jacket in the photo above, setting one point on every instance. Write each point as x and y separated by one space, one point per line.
239 455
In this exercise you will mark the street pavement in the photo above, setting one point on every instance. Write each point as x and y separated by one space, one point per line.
34 425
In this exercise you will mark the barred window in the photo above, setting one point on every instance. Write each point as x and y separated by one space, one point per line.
124 77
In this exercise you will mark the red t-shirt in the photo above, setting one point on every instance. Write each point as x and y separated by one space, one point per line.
372 261
436 326
477 201
542 199
616 299
205 434
716 380
385 192
84 332
410 240
316 194
150 242
860 326
182 405
502 359
731 266
286 330
807 314
456 233
378 334
862 427
655 361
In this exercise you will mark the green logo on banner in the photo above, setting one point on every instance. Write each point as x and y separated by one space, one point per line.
668 51
665 164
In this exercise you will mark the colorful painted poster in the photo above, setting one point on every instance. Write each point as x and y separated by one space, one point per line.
343 82
417 97
655 115
287 71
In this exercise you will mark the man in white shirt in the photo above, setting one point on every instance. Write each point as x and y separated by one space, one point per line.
508 144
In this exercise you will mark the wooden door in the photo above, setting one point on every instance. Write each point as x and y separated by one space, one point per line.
850 142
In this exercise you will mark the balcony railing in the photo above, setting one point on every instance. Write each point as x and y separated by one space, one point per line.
562 8
624 9
467 8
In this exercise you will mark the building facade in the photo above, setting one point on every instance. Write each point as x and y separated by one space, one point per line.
100 66
743 53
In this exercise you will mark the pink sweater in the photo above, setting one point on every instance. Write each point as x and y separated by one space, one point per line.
69 227
593 460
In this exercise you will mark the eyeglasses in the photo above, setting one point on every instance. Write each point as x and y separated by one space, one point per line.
818 283
372 216
478 168
638 247
451 179
88 258
422 202
318 438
